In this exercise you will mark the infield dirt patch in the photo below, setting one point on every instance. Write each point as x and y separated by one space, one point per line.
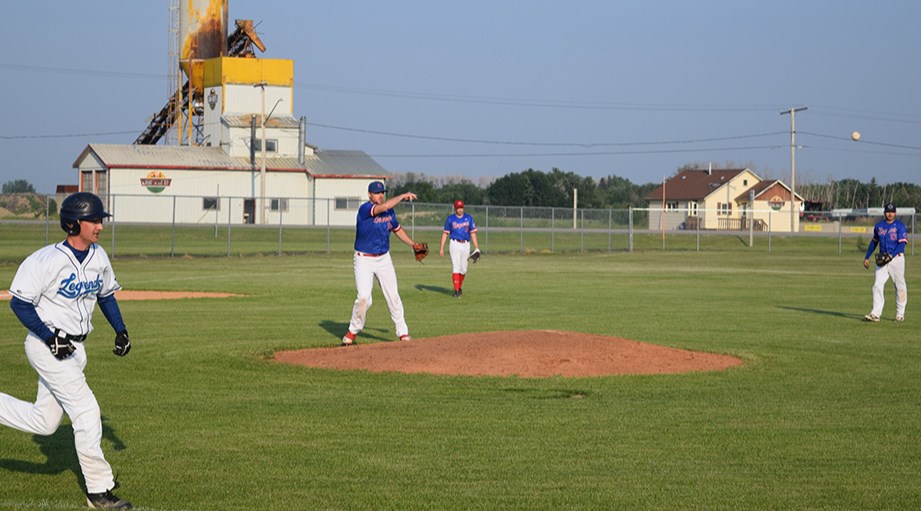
523 353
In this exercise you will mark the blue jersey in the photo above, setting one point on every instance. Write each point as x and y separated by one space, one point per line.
372 233
460 227
891 238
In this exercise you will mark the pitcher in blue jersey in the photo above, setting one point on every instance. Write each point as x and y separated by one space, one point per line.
461 228
373 225
891 236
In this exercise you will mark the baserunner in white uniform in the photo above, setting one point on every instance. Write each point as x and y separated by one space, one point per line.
54 293
374 223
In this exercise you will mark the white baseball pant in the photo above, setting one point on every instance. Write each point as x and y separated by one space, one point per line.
62 388
366 268
459 251
896 270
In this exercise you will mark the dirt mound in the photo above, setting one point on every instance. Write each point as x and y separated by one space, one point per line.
528 354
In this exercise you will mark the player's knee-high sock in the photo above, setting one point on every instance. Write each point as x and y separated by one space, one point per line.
456 278
460 276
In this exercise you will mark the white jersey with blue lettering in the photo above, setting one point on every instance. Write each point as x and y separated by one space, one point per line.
62 289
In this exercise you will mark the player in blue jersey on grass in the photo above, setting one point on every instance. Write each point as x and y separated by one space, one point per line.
461 228
891 236
373 225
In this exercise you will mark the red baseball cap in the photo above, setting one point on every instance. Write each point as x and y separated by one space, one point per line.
458 204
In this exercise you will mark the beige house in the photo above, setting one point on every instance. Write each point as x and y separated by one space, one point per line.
724 199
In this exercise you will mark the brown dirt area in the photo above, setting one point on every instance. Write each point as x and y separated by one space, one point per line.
527 354
150 295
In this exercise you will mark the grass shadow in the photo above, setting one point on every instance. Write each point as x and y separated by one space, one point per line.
435 289
339 328
60 453
839 314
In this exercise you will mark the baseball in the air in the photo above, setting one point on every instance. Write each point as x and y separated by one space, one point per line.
855 136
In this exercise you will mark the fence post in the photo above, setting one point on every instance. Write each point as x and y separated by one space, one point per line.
172 238
327 226
552 232
609 231
113 227
47 216
229 208
521 231
698 234
413 223
581 231
770 230
281 213
839 235
630 230
486 244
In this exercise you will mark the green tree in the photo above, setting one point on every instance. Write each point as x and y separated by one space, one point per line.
465 191
424 190
18 186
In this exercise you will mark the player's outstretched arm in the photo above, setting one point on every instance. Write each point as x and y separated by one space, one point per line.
393 201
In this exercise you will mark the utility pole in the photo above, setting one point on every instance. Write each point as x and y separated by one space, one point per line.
792 111
262 174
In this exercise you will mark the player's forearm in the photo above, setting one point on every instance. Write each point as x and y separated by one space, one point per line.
109 307
870 249
29 318
404 237
476 244
392 202
444 236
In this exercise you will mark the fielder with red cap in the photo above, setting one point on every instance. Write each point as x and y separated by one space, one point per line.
462 230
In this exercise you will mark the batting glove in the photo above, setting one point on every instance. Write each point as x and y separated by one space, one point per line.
122 344
60 347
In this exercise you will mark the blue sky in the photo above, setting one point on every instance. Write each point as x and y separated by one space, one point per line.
485 88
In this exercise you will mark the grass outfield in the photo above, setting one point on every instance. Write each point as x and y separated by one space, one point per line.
824 415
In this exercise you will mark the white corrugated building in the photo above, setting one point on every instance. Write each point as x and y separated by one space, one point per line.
230 179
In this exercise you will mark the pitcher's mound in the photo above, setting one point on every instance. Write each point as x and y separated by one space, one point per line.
529 354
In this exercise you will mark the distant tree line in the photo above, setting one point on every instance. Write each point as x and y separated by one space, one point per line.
852 194
529 188
555 189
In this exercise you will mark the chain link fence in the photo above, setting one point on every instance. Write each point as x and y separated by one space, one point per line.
198 226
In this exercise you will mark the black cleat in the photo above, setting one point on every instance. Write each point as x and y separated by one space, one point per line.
106 500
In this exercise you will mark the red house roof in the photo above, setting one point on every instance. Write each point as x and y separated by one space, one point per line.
693 184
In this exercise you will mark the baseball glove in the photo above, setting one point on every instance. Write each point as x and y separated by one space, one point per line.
475 256
883 259
421 250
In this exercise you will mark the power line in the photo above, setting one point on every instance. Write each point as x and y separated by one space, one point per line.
68 135
862 141
596 153
543 144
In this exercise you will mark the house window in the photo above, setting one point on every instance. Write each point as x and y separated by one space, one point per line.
348 202
211 204
671 206
692 209
279 205
271 145
723 208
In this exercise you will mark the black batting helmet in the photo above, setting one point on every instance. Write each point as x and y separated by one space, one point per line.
80 206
